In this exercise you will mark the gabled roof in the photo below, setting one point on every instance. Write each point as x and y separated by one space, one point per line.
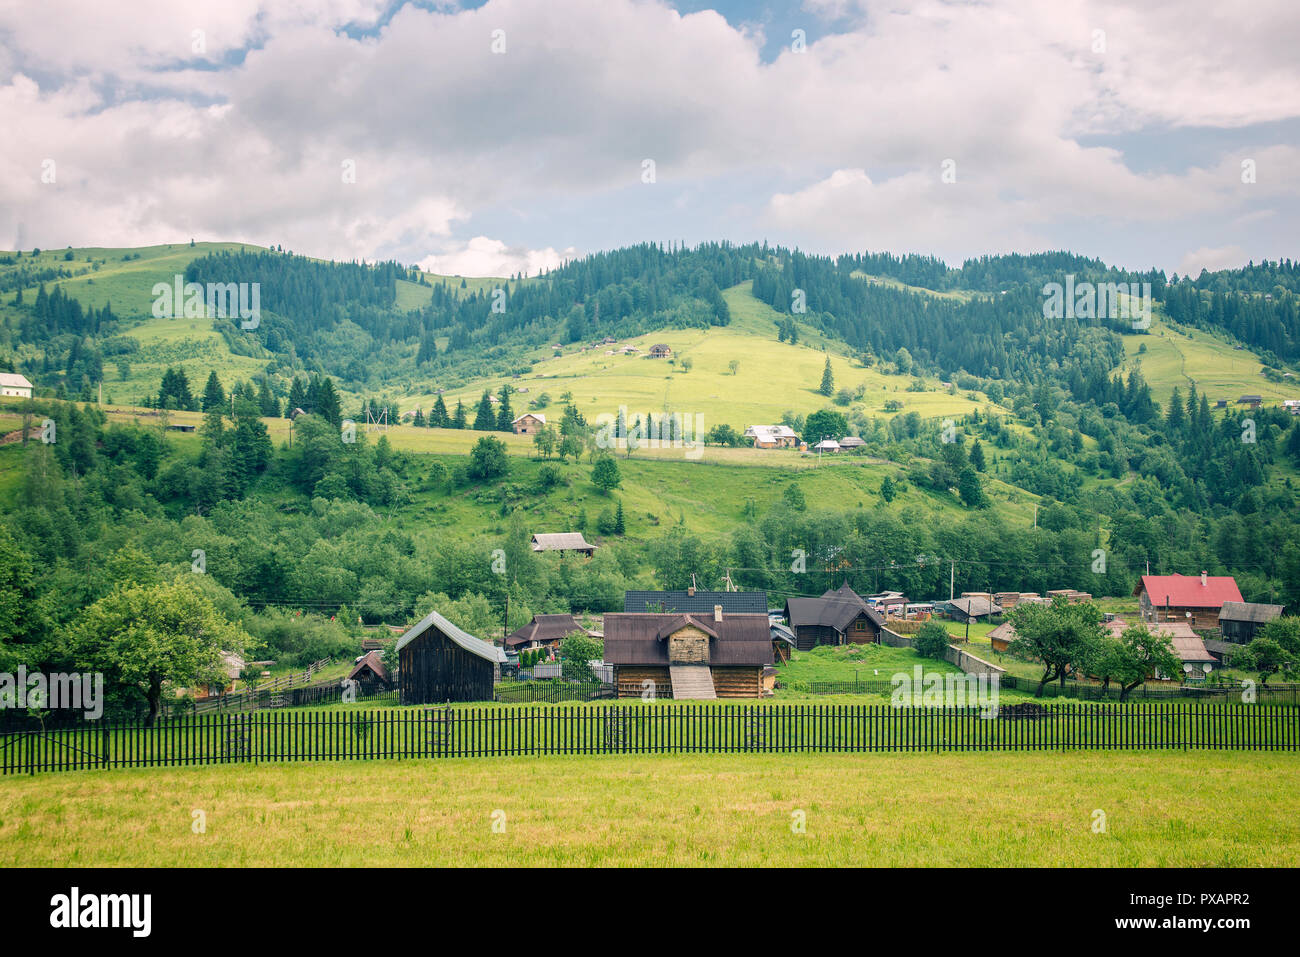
1248 611
781 633
1191 650
975 607
371 662
544 628
851 442
475 646
639 639
534 415
768 432
14 381
835 609
1186 591
702 602
560 541
1003 632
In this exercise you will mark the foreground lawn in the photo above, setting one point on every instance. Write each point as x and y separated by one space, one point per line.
1171 809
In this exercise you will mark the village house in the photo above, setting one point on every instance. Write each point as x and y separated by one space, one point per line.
852 442
438 663
827 445
17 386
1239 620
1292 406
836 618
563 542
1252 401
1188 646
1198 600
660 351
544 631
688 656
530 423
772 436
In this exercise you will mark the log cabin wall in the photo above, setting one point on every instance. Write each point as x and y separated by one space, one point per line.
738 682
435 669
631 679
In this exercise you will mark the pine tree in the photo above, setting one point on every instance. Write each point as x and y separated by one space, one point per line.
977 456
327 403
418 422
297 396
214 397
505 417
438 418
461 417
828 379
484 419
620 526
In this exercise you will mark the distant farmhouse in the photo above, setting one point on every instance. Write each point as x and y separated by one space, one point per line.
772 436
1252 401
688 656
973 608
563 542
838 617
660 351
12 384
544 631
530 423
1197 600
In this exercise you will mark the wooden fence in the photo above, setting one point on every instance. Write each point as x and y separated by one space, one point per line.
644 729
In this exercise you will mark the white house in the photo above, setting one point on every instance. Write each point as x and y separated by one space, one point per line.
772 436
16 385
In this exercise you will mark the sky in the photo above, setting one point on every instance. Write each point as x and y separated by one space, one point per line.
507 136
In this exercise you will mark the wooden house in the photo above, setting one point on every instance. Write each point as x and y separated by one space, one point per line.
1196 600
784 641
688 656
1239 620
530 423
660 351
563 542
1251 401
838 617
544 631
371 673
1002 636
437 662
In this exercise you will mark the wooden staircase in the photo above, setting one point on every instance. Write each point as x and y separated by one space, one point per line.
692 682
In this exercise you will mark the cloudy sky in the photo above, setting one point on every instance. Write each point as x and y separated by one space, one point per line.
485 139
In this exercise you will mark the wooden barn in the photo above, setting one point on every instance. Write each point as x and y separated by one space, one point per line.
973 608
838 617
688 656
563 542
1239 620
437 662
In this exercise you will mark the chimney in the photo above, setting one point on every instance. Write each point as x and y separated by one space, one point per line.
1203 580
691 591
717 613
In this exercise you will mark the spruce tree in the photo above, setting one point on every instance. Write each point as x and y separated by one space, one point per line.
214 397
505 417
438 418
461 417
828 379
484 420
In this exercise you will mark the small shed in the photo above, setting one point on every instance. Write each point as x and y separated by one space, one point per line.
371 673
439 662
530 423
973 608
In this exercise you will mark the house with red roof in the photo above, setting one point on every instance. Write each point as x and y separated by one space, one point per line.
1190 598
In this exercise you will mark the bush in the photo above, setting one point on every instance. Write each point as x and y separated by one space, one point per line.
932 640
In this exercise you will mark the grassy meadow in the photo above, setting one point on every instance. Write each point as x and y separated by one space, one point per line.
1193 809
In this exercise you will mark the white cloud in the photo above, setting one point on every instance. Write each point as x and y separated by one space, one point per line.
483 256
452 141
1223 257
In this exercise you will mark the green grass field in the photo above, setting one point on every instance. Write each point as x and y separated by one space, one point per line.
1198 809
771 378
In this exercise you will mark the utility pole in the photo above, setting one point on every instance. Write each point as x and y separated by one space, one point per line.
952 578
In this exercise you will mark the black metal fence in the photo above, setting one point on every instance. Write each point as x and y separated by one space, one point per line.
1221 694
645 729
